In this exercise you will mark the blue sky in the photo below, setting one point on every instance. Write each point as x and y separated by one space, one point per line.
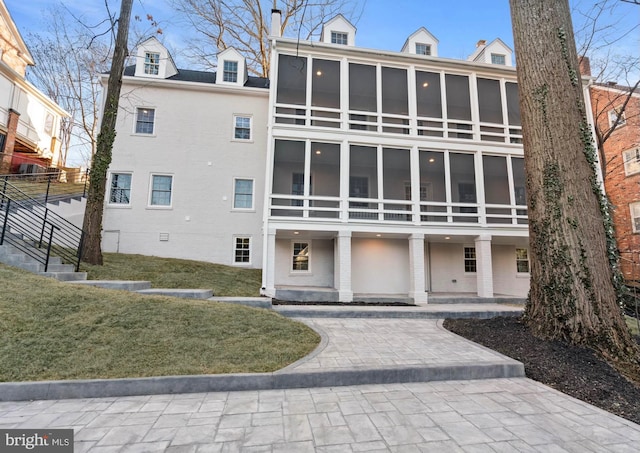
384 24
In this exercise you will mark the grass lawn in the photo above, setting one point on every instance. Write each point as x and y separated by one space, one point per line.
174 273
52 330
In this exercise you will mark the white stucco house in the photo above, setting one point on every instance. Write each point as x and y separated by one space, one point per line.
352 174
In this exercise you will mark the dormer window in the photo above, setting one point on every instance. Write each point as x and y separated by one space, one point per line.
151 63
338 37
230 71
423 49
496 58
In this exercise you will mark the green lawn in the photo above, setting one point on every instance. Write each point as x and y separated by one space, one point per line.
52 330
174 273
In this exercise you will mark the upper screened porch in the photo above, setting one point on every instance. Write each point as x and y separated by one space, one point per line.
403 96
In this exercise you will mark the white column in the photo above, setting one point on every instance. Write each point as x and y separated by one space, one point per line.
270 268
343 266
484 267
416 269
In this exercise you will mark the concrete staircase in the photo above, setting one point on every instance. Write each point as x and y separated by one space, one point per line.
13 256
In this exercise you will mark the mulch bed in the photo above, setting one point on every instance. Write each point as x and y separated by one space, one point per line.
576 371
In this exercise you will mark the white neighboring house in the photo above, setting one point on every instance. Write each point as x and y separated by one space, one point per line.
29 120
188 162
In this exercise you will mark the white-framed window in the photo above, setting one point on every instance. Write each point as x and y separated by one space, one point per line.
242 127
151 63
242 193
230 71
497 58
470 263
617 116
145 120
522 260
635 216
631 159
161 190
242 250
301 256
120 189
338 37
423 49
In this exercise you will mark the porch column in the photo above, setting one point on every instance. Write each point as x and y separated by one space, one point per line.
9 141
270 264
416 269
343 266
484 267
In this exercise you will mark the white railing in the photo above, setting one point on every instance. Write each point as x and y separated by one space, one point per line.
395 211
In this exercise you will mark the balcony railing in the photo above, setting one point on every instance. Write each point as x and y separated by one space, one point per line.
336 209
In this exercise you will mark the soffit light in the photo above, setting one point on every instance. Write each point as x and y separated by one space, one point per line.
425 84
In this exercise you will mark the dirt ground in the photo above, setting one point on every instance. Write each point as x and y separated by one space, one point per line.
578 372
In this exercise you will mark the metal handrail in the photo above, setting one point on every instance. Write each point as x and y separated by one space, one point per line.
31 220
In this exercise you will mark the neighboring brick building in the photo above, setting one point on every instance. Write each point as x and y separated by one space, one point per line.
621 165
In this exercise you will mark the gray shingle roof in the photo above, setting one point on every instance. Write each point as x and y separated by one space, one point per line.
188 75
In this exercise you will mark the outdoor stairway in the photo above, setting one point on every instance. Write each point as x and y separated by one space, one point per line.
13 256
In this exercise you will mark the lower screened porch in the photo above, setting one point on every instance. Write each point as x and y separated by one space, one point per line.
379 267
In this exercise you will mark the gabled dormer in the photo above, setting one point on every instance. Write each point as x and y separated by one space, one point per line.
153 60
232 68
338 31
496 52
421 42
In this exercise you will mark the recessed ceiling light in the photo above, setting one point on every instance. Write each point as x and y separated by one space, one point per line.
318 152
318 73
447 238
378 235
425 84
432 160
296 232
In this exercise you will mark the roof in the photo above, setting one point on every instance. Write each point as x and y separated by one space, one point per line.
22 46
188 75
615 86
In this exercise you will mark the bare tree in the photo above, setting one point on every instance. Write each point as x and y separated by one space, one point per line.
92 227
575 289
69 63
245 25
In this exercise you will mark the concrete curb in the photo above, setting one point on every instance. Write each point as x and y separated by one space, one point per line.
102 388
410 312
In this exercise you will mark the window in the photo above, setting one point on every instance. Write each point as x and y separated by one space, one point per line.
470 259
242 127
339 38
151 63
242 250
498 59
631 159
423 49
522 260
145 119
161 190
230 71
617 117
243 194
300 258
120 191
635 217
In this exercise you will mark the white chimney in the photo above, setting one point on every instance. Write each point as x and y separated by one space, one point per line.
276 17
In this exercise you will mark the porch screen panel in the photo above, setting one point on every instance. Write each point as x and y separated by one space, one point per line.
325 173
519 186
496 188
325 91
458 99
428 95
395 92
396 172
463 185
432 176
513 104
288 176
362 87
489 101
292 80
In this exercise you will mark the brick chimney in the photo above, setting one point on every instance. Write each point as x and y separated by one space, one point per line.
585 66
481 43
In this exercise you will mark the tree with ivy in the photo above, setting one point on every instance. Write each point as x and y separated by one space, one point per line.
576 286
91 252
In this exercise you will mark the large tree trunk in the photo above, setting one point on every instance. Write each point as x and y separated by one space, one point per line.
574 284
91 252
